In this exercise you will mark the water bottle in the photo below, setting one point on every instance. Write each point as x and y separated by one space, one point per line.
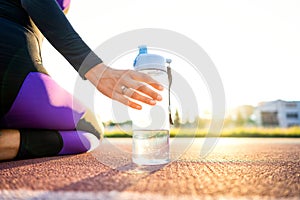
151 125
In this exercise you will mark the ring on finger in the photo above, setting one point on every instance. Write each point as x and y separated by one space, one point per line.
123 89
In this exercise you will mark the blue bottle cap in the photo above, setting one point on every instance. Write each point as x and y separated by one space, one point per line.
148 61
143 49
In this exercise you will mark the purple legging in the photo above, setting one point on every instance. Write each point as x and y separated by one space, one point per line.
42 104
63 3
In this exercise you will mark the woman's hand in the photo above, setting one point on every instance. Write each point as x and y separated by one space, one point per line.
124 85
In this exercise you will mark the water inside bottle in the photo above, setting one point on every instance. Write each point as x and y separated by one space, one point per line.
151 147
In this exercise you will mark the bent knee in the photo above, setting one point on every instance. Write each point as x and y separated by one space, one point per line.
88 123
90 141
75 142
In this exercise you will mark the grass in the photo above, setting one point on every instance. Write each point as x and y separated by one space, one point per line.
293 132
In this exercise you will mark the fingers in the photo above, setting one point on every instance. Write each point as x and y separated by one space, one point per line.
138 96
126 101
146 79
125 94
143 88
136 86
126 86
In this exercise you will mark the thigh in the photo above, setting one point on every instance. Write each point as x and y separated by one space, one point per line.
42 103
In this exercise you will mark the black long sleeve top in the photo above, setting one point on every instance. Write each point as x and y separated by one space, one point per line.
53 24
23 23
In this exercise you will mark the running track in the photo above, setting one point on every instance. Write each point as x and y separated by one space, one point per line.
245 168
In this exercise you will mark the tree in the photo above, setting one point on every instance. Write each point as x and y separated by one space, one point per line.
177 120
239 120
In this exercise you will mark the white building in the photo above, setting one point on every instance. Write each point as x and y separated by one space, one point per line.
278 113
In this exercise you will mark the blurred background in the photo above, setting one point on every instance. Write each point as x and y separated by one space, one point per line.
254 44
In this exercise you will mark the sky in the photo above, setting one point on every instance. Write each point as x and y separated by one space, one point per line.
254 44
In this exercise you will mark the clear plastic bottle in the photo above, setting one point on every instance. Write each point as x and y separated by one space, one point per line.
151 124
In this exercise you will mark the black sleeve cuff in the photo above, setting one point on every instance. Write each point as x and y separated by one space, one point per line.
89 62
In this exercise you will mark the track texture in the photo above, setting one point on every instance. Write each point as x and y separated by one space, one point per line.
236 168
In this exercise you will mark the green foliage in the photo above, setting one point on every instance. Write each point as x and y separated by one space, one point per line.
239 121
177 120
230 132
